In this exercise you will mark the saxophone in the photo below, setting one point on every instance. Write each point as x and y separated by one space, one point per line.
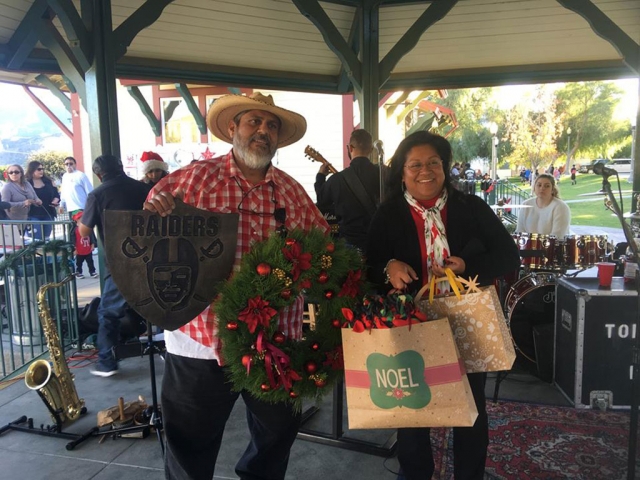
54 384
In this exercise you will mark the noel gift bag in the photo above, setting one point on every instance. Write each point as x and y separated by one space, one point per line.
478 324
408 376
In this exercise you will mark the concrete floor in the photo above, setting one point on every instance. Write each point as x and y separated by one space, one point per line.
27 456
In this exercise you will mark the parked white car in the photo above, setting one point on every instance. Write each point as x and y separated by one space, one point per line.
621 165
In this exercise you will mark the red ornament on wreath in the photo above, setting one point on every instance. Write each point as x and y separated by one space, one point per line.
331 248
320 382
286 294
310 367
315 346
290 241
328 294
279 337
246 360
323 277
264 387
335 323
232 326
293 394
263 269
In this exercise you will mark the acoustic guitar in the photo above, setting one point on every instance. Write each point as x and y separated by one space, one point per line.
315 156
330 217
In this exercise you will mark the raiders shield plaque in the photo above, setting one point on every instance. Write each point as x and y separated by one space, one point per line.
168 268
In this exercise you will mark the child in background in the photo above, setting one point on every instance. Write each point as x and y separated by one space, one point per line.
84 249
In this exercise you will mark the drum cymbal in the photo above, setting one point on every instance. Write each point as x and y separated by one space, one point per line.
510 206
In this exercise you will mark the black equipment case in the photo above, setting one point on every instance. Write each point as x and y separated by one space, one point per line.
594 333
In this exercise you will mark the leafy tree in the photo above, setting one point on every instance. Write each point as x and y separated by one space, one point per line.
474 109
587 108
532 129
53 163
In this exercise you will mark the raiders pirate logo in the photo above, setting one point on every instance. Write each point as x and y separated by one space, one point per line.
168 268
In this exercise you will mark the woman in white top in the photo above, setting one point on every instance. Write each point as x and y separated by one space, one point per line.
548 214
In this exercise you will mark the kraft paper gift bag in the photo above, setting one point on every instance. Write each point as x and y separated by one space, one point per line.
478 326
407 376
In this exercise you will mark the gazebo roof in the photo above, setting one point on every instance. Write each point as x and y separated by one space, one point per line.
281 43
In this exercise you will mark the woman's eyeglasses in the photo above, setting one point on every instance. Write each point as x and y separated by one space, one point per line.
40 169
433 164
14 172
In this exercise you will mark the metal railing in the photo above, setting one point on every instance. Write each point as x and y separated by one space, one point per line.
25 265
503 192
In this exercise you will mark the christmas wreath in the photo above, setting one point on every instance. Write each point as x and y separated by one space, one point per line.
260 357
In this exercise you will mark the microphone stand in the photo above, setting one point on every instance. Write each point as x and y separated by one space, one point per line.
635 361
380 151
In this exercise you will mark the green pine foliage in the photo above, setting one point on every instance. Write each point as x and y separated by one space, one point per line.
265 272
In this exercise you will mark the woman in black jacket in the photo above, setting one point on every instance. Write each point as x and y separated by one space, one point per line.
48 193
422 227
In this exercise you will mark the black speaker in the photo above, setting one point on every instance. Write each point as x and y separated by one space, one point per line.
543 344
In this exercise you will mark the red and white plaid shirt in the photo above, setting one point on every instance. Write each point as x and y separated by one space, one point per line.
218 185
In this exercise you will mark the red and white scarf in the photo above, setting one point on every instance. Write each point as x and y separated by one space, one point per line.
435 235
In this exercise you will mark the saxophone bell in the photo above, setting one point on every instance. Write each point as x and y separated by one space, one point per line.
41 377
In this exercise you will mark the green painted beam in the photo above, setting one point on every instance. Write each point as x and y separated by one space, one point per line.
170 71
234 90
605 28
101 99
143 17
312 10
367 95
436 12
184 92
25 38
146 110
509 75
69 84
53 88
405 111
75 30
51 38
344 83
422 123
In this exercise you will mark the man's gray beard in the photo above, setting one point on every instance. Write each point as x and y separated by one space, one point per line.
251 159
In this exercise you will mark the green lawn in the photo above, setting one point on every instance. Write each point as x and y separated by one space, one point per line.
590 210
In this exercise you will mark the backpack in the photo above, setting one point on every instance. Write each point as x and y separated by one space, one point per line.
131 325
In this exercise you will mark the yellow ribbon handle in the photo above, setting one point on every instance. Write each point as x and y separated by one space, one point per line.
450 277
455 286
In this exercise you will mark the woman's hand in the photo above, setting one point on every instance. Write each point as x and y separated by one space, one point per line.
37 201
28 202
400 274
456 264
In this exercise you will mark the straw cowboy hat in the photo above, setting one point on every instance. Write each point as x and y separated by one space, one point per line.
224 110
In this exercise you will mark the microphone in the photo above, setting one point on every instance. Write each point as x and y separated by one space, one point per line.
378 146
600 169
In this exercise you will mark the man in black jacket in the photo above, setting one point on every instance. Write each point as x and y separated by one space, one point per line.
117 192
353 194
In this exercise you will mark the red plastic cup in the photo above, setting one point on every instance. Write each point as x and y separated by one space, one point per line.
605 273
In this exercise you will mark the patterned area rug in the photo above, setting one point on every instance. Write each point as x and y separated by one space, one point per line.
543 442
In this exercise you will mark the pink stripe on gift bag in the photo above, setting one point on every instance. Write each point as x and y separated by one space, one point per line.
447 373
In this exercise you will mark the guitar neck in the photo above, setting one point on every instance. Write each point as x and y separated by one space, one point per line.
315 156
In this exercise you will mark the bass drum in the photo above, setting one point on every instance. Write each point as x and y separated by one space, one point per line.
530 307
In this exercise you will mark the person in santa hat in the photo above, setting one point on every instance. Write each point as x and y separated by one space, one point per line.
153 167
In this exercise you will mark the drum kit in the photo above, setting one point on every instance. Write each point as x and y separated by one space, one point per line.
529 302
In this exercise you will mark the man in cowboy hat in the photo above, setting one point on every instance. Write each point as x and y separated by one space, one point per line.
196 397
